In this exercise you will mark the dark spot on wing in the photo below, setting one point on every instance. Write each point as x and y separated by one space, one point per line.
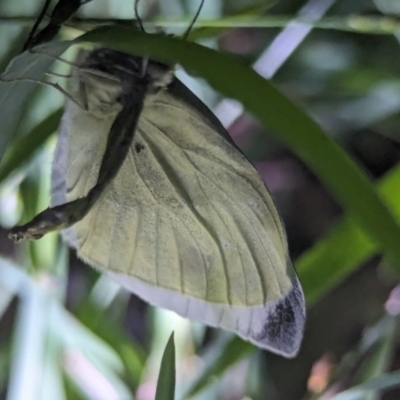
284 325
138 147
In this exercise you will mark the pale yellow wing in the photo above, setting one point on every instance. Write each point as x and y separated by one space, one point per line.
187 224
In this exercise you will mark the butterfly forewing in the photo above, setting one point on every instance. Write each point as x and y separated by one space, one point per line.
187 223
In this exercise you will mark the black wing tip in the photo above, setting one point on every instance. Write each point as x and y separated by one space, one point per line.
284 324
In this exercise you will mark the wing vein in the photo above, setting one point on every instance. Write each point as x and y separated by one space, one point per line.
237 249
207 228
271 211
116 222
156 243
234 205
179 261
168 212
135 244
270 207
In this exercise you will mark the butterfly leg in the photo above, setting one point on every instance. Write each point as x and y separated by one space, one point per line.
119 141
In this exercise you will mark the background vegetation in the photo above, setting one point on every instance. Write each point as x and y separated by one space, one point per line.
327 145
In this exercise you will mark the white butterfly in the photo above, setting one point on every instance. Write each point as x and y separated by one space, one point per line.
187 223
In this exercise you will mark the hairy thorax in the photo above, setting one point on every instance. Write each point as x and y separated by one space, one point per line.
104 77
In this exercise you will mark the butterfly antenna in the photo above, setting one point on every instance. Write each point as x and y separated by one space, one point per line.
137 16
145 61
186 34
73 64
46 83
53 57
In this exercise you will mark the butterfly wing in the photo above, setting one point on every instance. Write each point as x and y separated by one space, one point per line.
187 224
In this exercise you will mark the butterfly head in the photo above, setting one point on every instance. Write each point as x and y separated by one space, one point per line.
105 76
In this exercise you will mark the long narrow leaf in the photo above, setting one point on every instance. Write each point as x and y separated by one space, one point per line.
383 382
345 247
166 378
221 357
23 148
254 11
381 355
340 174
347 182
15 94
29 341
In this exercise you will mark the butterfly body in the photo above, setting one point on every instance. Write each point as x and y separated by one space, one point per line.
187 223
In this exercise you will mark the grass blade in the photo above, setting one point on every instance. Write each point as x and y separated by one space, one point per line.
323 265
166 378
383 382
222 356
29 342
24 148
14 95
346 181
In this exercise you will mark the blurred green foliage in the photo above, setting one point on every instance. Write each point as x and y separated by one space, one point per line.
68 333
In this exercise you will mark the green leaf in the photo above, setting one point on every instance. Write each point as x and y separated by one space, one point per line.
349 185
20 151
130 352
52 386
383 382
222 356
323 265
103 357
15 94
6 295
253 12
380 355
369 25
346 181
29 344
166 378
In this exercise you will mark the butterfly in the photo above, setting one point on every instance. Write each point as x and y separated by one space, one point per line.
150 189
